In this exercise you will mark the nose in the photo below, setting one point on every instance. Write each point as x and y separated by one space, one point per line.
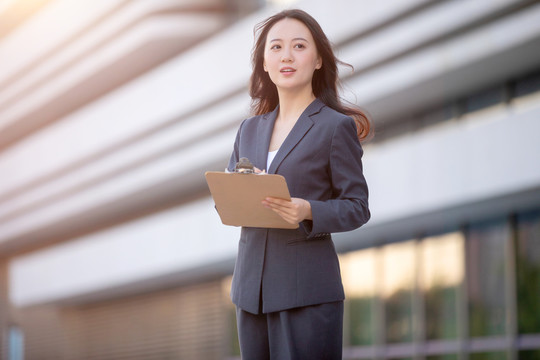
286 56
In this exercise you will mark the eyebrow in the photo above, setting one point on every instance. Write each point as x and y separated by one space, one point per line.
295 39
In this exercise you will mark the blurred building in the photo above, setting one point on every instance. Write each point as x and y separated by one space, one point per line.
112 110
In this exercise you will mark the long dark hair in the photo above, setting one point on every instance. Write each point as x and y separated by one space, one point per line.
263 92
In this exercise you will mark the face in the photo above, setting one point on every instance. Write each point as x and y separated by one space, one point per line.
290 55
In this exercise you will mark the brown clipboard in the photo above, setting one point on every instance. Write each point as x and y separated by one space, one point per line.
238 198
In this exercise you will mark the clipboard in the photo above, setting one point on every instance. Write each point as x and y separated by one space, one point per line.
238 198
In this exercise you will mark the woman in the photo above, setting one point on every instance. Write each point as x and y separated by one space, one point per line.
287 285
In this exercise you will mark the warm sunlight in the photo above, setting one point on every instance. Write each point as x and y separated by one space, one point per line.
358 272
442 258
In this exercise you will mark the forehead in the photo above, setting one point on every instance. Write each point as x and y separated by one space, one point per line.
289 29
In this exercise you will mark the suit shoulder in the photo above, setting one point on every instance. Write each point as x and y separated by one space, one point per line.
255 118
333 118
253 121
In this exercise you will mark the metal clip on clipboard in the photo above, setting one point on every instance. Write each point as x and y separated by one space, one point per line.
244 166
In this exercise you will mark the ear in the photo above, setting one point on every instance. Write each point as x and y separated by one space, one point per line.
318 65
264 67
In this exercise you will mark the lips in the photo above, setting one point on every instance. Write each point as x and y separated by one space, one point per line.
287 70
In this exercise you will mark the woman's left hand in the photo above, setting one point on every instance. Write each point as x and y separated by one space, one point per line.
293 211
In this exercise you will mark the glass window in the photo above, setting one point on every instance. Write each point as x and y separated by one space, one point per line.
528 272
358 269
486 284
234 344
527 85
442 274
484 99
16 343
489 356
395 128
398 290
443 357
529 355
437 115
232 329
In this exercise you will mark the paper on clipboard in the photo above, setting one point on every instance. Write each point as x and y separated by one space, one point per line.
238 198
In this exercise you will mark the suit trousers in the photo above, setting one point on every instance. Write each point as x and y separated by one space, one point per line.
311 332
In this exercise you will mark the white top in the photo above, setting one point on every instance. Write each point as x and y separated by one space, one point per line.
271 156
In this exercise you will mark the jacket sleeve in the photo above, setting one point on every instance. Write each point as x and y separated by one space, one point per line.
348 207
235 154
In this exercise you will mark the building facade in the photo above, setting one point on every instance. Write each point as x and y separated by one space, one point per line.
111 112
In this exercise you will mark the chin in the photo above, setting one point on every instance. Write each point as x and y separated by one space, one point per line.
291 87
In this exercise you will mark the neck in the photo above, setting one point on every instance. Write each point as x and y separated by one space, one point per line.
292 104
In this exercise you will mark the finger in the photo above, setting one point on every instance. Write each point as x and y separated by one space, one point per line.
282 206
285 212
279 202
285 216
290 214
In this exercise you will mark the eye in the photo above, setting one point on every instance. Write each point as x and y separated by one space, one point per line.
275 47
299 46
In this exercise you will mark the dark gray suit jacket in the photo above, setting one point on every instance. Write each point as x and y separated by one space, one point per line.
321 162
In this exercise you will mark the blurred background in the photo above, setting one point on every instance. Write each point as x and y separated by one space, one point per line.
112 110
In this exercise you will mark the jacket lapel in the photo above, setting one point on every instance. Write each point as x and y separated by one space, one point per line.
299 130
264 133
